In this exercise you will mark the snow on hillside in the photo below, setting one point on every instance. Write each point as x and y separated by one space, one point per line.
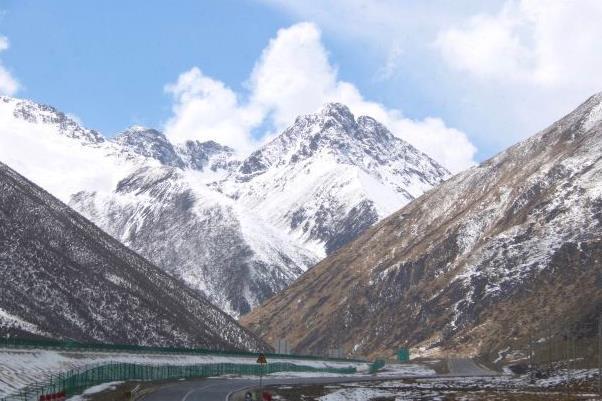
55 152
198 234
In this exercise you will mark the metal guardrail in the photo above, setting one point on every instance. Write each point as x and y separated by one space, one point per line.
75 381
79 346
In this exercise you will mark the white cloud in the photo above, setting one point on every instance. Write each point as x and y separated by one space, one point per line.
501 69
551 44
8 85
206 109
391 65
294 76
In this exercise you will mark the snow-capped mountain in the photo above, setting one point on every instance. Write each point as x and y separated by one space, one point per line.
208 156
197 234
239 230
148 142
202 156
329 176
508 248
62 277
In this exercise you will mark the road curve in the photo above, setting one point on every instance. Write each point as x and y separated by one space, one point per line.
218 389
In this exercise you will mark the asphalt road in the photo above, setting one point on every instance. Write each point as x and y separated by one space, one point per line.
467 367
218 389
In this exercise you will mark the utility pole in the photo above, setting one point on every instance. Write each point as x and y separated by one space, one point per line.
261 381
568 361
550 342
531 357
600 354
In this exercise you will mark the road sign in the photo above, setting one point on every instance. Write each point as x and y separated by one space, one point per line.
261 359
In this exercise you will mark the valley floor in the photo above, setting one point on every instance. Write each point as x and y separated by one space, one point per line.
583 386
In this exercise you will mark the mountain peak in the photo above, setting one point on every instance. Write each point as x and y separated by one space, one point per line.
333 133
210 154
149 142
338 111
37 113
137 129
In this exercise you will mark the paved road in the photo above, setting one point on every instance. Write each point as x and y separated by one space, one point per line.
219 389
467 367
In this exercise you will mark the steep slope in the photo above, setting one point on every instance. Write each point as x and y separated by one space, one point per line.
64 277
328 177
511 246
198 235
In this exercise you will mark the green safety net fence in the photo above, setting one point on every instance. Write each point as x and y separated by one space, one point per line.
377 365
75 381
74 345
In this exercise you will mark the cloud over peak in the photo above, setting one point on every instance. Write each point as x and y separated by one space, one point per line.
8 84
293 76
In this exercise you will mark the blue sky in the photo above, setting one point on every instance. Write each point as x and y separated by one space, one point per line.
108 63
461 80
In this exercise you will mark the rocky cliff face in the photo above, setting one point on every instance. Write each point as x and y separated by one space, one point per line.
62 277
509 246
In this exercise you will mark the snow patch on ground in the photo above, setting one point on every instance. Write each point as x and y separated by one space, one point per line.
94 390
356 394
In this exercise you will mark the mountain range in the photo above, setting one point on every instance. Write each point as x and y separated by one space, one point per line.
501 251
239 229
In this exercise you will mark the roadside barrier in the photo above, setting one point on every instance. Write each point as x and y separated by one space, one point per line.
103 347
66 384
377 365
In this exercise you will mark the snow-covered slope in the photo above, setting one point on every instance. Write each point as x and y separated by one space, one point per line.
55 152
197 234
329 176
64 277
511 247
237 230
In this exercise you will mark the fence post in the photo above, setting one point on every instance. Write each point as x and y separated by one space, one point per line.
600 354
